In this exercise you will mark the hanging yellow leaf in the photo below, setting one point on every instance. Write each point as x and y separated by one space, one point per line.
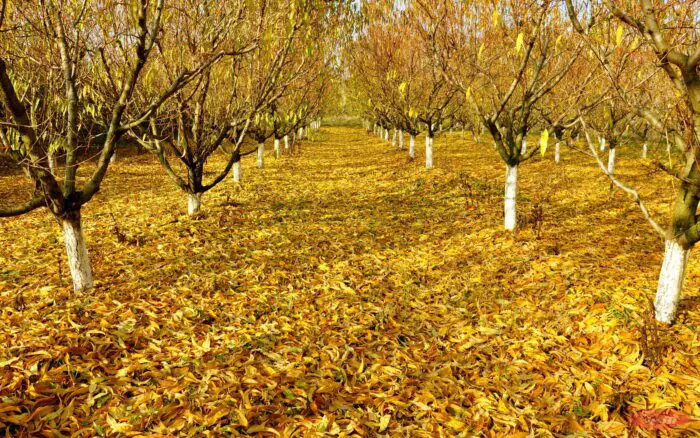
635 43
402 88
618 36
558 42
544 142
519 43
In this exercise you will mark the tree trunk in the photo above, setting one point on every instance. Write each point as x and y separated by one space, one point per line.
77 252
428 152
286 143
393 138
53 163
301 134
611 160
510 216
237 171
557 152
113 158
277 148
412 147
602 144
668 291
386 134
400 139
261 155
523 147
644 151
194 202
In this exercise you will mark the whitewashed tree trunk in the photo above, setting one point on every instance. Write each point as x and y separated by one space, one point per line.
668 291
611 160
113 158
393 138
237 171
286 143
301 134
509 209
428 152
53 164
78 258
557 152
386 134
277 148
602 144
400 139
194 203
523 147
412 147
644 151
261 155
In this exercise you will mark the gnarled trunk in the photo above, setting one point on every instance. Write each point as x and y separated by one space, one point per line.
668 291
428 152
412 147
511 194
261 155
194 203
78 259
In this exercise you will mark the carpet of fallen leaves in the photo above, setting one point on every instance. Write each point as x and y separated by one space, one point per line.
348 292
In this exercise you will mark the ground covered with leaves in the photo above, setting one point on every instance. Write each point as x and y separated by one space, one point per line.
349 292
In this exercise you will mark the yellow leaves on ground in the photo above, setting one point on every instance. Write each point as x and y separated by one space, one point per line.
347 293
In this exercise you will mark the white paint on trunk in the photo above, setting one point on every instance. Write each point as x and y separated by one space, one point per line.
401 139
393 138
52 164
668 291
428 152
237 171
261 155
77 252
113 158
277 148
644 151
557 152
509 208
286 143
386 134
611 160
523 147
301 134
412 147
602 144
194 203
